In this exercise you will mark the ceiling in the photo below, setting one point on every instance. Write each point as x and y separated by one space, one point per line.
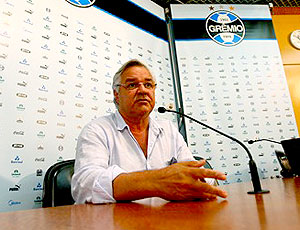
275 3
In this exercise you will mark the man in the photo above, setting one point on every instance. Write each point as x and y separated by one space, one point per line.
126 155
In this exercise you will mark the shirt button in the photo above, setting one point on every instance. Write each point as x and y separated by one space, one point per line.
148 165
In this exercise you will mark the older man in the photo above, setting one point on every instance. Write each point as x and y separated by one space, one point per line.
126 155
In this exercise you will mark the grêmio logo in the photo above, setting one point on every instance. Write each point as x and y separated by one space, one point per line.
82 3
225 28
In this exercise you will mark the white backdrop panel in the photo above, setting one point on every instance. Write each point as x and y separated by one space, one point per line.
240 90
57 63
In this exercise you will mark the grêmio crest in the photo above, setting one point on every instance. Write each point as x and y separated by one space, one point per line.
81 3
225 28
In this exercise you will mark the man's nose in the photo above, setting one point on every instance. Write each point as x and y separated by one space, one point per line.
141 86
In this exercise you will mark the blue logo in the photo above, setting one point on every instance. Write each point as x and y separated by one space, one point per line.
225 28
16 160
38 187
82 3
12 203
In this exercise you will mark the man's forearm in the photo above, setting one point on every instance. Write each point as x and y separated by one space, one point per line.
181 181
135 185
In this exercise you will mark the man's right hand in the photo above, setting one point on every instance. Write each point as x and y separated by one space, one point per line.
180 181
186 181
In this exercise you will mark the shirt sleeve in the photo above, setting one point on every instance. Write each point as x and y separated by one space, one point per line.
93 176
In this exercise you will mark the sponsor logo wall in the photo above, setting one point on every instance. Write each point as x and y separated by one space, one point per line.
232 78
57 61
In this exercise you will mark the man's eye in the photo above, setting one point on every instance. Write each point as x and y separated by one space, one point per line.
131 85
148 85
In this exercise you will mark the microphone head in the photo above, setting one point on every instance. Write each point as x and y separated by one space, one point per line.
161 110
251 142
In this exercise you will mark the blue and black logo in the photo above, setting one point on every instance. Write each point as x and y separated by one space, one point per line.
82 3
225 28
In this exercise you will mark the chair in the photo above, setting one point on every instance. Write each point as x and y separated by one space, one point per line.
57 184
207 165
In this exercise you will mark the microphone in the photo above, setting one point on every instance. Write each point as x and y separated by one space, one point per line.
290 154
162 109
253 141
252 165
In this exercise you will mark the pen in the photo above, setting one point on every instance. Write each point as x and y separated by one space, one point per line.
172 161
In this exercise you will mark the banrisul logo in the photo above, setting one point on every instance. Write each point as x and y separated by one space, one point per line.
82 3
225 28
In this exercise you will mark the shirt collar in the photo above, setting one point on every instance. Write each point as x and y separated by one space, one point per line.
155 126
121 124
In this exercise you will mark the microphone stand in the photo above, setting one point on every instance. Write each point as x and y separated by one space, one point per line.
252 165
253 141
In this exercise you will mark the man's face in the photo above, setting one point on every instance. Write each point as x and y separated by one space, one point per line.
139 101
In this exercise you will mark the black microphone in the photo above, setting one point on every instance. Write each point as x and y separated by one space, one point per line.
253 169
161 109
290 154
253 141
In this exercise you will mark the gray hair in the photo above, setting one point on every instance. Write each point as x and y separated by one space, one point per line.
118 74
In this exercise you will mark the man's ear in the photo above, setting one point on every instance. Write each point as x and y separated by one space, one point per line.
116 96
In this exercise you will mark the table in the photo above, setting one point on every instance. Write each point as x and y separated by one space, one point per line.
280 209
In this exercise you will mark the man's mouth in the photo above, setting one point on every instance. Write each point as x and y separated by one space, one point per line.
142 100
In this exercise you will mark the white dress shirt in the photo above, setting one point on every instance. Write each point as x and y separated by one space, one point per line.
107 148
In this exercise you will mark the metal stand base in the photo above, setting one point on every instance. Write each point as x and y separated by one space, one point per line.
258 192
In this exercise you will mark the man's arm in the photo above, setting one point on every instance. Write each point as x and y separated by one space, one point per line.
180 181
